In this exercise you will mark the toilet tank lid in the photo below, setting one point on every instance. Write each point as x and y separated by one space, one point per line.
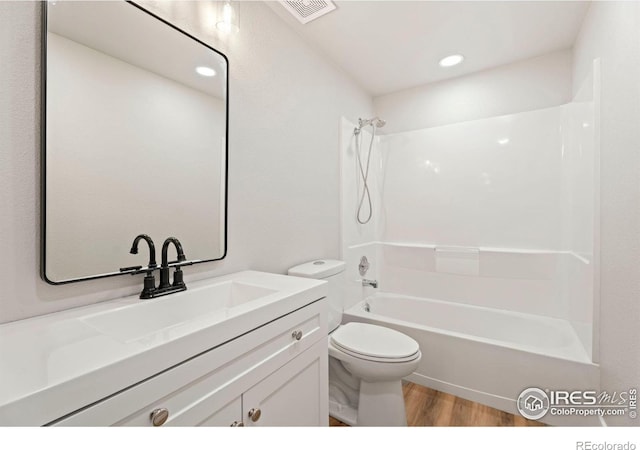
321 268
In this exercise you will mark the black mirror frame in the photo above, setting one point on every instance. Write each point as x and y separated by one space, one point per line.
43 152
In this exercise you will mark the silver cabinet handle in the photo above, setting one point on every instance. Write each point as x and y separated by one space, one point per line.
159 416
297 335
254 414
237 424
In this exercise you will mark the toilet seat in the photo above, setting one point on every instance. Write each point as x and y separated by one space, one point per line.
374 343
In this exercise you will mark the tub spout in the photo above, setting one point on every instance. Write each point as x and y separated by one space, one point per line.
372 283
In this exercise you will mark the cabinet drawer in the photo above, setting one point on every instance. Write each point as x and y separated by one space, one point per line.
195 390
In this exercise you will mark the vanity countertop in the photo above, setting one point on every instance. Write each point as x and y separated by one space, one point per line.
53 365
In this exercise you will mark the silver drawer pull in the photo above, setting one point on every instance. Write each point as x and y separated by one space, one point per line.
297 335
254 414
237 424
159 416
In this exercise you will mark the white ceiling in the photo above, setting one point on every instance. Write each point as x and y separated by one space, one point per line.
390 45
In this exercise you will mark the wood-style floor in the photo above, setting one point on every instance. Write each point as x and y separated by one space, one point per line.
427 407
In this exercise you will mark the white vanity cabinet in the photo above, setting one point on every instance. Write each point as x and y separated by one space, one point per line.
274 375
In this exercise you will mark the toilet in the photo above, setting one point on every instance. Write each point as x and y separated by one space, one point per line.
366 362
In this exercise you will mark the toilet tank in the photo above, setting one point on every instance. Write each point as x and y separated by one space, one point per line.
332 271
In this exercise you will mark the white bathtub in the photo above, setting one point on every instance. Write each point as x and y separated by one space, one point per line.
483 354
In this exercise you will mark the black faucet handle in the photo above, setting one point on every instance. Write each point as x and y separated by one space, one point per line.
149 287
178 278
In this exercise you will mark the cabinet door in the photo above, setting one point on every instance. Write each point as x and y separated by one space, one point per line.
294 395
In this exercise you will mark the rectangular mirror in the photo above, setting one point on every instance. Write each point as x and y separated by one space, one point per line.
135 127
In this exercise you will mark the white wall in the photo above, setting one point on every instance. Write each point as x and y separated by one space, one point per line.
286 104
611 31
522 86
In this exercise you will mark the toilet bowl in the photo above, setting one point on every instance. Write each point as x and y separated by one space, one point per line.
378 358
366 362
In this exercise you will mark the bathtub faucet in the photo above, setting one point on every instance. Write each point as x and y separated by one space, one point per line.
372 283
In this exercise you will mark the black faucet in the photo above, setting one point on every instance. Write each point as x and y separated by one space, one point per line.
149 288
178 280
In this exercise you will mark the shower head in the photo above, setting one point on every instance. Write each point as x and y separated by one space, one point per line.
376 122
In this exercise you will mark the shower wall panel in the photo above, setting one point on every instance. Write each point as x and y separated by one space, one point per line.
491 182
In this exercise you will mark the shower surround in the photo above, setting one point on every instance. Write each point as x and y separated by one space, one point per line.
491 218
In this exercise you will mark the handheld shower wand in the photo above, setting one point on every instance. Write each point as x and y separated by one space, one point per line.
375 122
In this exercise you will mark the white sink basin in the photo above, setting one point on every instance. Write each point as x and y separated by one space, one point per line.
146 317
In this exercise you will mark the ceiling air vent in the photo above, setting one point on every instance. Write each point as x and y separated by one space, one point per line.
307 10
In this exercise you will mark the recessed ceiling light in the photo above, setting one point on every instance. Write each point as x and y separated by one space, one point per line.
205 71
451 60
503 141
